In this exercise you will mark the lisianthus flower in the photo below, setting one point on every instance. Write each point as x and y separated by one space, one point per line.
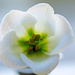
34 38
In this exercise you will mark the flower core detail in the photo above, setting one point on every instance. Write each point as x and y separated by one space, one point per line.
34 42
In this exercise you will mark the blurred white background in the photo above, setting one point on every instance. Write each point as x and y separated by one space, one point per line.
64 7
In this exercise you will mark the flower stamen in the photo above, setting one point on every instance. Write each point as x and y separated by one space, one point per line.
34 42
41 39
30 48
37 47
33 35
37 37
27 41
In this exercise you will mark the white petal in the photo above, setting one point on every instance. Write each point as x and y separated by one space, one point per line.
51 45
39 10
46 19
16 21
29 21
11 20
63 38
41 65
46 25
64 34
10 51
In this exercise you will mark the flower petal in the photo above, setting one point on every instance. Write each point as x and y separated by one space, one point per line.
39 10
14 21
41 65
46 25
11 20
45 16
10 51
29 21
64 34
63 38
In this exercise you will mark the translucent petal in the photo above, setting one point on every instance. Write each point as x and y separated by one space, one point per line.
41 65
46 19
63 38
39 10
10 51
17 21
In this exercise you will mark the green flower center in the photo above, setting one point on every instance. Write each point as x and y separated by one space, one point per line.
34 42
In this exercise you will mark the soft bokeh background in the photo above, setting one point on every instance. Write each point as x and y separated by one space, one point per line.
64 7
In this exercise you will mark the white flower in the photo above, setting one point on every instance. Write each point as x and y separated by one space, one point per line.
34 38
